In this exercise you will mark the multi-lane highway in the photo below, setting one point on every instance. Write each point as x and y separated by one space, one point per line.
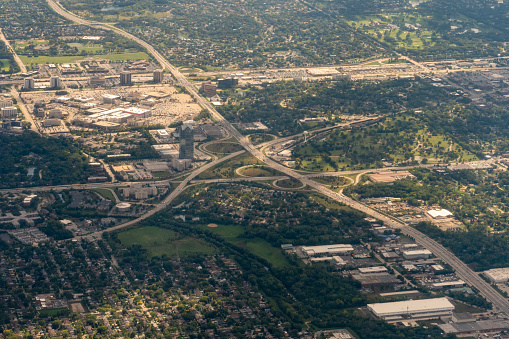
463 271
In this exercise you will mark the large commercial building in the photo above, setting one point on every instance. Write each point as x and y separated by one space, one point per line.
208 89
125 78
187 140
416 254
29 83
227 83
498 275
312 251
9 112
158 75
424 308
55 82
439 214
5 103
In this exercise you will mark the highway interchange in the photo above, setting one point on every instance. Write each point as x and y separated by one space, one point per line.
463 271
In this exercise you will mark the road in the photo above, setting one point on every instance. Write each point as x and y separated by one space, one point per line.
24 110
16 57
463 271
168 200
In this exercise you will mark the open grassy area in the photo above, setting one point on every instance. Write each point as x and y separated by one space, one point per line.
265 250
260 247
106 193
228 232
395 27
70 59
397 139
289 183
159 241
259 171
89 47
52 312
259 138
332 180
224 147
227 169
146 236
5 64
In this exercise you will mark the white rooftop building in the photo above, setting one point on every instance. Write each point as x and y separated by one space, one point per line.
498 275
311 251
375 269
412 308
417 254
439 214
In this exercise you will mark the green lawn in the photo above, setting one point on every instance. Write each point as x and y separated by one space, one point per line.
159 241
224 147
259 247
124 56
52 312
87 47
146 236
289 183
229 232
106 193
261 171
5 64
70 59
265 250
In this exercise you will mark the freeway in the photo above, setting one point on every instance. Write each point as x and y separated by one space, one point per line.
463 271
168 200
13 52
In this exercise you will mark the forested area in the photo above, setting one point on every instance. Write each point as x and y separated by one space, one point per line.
478 198
55 161
479 250
280 105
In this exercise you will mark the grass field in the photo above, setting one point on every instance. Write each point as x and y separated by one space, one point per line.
260 247
259 171
367 148
289 183
265 250
5 64
105 193
381 25
224 147
227 169
257 139
89 47
159 241
70 59
52 312
228 232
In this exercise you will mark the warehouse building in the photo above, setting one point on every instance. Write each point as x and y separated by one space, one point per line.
416 254
312 251
498 275
439 214
377 281
424 308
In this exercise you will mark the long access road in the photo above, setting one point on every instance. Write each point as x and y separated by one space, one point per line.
463 271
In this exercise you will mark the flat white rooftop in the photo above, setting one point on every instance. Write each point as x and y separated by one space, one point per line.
439 213
498 274
322 249
437 305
